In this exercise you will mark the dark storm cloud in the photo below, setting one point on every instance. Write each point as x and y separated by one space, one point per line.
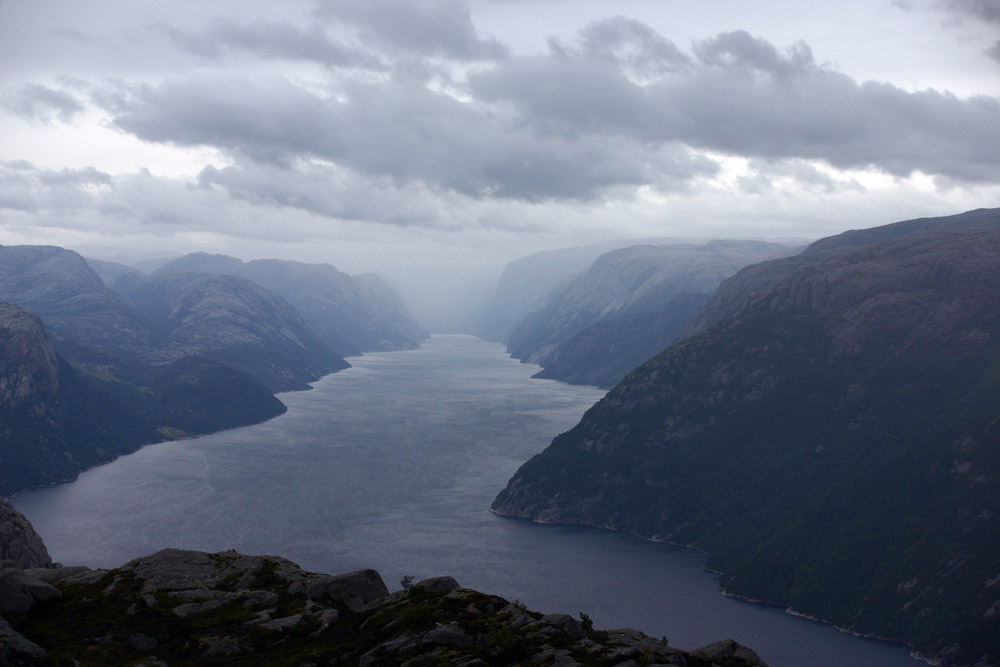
402 131
426 27
271 39
985 10
41 105
620 107
743 96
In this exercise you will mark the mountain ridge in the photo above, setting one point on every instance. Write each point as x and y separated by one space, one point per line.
857 403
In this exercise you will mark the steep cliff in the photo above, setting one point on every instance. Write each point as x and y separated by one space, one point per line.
733 293
639 280
19 543
835 446
56 420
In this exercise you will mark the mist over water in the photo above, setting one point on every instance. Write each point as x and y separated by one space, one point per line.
393 464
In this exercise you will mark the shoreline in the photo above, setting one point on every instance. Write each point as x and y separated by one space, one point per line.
788 610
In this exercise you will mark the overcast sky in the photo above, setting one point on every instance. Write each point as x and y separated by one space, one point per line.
392 135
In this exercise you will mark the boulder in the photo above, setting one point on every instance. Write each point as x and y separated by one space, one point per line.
14 648
438 585
19 592
356 588
728 648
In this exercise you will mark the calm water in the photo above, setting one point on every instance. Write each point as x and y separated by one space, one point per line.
392 464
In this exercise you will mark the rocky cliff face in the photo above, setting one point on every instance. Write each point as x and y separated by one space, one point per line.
83 315
733 293
29 373
350 315
19 543
234 321
834 446
56 420
639 280
188 607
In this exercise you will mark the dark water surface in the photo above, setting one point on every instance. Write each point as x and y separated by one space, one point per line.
392 464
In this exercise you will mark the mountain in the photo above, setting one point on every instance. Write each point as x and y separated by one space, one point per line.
112 272
85 318
194 608
350 315
234 321
734 292
834 446
56 419
622 293
605 352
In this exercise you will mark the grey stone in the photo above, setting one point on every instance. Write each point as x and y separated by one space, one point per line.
219 647
13 646
356 588
327 618
282 623
19 542
195 607
728 648
438 585
563 623
448 634
19 592
60 576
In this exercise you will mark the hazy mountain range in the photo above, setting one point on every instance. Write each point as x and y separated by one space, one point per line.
597 315
88 372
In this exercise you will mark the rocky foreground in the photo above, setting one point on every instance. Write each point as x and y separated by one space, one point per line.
192 608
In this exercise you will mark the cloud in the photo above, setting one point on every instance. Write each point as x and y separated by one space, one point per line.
743 96
618 109
426 27
984 10
402 131
41 105
272 40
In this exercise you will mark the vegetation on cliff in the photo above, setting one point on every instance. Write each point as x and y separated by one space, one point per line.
192 608
835 446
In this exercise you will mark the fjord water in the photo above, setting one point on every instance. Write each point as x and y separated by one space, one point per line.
392 464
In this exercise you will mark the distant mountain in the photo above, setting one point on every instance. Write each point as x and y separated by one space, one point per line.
732 295
56 420
526 282
111 272
84 317
623 292
834 446
350 315
234 321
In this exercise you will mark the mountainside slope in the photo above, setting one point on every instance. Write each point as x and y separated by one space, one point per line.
56 420
81 313
350 315
233 321
733 293
835 446
638 280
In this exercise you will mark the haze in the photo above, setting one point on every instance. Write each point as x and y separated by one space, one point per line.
433 141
